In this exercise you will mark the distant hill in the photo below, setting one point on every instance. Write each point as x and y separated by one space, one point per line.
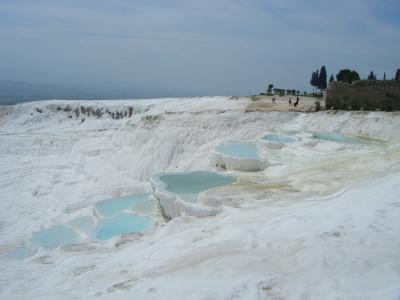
12 92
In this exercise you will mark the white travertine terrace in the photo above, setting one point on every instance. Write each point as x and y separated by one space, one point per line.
227 162
173 204
327 217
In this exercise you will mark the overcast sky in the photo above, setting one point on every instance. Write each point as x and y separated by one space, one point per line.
207 47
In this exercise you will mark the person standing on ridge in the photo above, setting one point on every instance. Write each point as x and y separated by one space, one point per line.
297 101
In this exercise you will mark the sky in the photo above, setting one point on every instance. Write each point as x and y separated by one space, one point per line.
195 48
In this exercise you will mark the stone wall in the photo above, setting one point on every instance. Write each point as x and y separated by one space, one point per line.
364 94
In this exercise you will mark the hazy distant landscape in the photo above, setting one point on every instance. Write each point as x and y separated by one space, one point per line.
12 92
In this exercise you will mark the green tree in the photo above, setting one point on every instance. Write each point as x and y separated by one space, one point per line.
322 79
270 87
331 79
314 80
397 77
347 75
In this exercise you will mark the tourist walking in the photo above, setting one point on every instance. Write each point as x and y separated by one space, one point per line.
297 101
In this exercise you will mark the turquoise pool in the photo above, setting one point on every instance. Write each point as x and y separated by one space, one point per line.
336 137
279 138
194 182
112 206
248 151
54 237
120 224
21 252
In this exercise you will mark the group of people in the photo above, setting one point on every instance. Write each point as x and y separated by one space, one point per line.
290 101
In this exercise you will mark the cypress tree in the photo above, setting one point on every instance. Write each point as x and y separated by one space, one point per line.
397 77
331 79
314 80
322 79
371 76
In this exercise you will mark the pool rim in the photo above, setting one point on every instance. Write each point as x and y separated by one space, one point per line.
157 179
292 137
173 205
260 157
95 231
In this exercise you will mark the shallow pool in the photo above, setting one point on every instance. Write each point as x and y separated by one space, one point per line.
21 252
279 138
54 237
248 151
194 182
112 206
122 223
336 137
